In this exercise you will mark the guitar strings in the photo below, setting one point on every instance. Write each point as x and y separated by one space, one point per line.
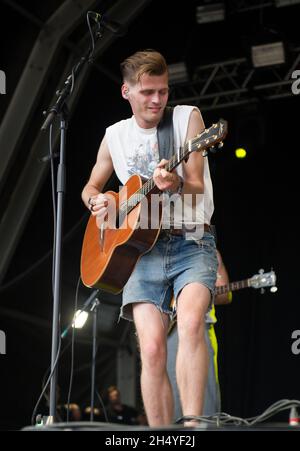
127 206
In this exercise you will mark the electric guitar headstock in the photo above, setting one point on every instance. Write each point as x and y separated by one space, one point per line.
263 280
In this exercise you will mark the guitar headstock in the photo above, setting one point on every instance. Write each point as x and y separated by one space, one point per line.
263 279
209 138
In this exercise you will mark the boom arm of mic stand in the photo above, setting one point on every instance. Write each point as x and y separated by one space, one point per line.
66 91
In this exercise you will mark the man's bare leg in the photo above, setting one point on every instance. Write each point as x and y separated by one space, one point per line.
152 327
192 355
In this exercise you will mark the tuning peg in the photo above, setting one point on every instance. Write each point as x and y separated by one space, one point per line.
213 149
221 144
262 290
274 288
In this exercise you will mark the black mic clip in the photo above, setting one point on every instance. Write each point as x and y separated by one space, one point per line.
97 19
103 22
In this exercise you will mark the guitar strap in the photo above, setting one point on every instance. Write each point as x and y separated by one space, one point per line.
165 135
165 140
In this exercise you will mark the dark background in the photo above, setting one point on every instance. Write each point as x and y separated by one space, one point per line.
255 199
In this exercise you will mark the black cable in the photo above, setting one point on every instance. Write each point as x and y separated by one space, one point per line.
102 405
223 419
72 352
49 367
46 385
90 57
53 201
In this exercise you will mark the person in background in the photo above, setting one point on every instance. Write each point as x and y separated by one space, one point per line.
117 412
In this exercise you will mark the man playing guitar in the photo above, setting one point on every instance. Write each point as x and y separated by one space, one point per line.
183 259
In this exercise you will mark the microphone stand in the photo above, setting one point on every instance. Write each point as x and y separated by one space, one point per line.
92 304
94 309
60 109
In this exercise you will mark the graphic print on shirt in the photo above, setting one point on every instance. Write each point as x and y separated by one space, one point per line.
144 159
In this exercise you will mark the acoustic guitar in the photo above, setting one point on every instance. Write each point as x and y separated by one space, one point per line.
110 253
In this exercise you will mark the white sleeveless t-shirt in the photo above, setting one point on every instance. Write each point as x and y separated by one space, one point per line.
134 150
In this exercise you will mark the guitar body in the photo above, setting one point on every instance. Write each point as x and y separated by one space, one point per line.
108 258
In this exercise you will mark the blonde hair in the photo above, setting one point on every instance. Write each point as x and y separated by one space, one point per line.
143 62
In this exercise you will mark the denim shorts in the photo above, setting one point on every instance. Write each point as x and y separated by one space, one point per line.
172 263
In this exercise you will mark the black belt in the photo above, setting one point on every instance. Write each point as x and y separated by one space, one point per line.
183 231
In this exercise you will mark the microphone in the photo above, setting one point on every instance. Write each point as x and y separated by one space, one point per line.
115 27
83 309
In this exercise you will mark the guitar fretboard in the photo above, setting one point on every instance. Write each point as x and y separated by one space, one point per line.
233 286
138 196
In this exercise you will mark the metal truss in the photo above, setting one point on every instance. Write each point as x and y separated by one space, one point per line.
245 6
24 102
242 6
235 82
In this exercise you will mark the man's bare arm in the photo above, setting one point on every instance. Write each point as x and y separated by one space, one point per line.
222 279
92 192
193 169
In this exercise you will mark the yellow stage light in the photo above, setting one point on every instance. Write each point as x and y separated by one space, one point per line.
240 153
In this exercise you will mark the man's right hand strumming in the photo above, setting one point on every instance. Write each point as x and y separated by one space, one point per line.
98 206
102 206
